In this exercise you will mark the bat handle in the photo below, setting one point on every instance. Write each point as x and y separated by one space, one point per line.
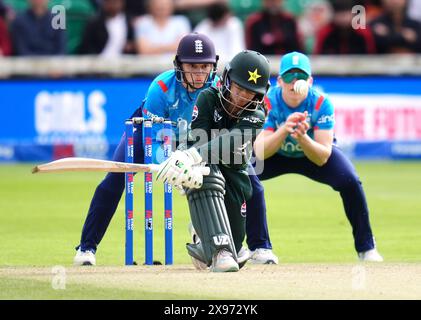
204 170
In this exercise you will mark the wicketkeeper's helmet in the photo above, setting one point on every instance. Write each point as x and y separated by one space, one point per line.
195 48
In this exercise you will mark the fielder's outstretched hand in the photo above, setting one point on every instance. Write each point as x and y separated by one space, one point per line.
179 169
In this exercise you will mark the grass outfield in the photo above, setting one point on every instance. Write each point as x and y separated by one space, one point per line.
41 218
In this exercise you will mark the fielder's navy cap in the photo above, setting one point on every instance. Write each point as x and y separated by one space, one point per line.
295 60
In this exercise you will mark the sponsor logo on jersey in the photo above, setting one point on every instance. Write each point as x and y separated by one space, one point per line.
253 119
216 116
290 147
325 119
221 240
175 105
148 114
195 113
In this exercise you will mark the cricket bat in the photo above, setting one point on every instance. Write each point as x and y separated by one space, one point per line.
89 164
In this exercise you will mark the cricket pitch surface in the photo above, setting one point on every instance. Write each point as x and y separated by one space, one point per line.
277 282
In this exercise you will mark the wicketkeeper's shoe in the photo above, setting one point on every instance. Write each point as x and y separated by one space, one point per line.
263 256
370 256
243 256
223 261
84 258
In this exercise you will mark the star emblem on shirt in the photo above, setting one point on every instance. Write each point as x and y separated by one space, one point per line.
254 76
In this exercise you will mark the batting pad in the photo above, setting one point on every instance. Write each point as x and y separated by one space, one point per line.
209 217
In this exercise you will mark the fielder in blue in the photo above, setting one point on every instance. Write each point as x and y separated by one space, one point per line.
171 95
298 137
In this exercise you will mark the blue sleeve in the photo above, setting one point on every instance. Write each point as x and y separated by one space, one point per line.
156 106
326 117
270 123
270 100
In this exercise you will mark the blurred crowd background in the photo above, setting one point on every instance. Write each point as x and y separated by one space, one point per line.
72 79
111 28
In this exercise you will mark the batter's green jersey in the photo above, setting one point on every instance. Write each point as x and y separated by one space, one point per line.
229 140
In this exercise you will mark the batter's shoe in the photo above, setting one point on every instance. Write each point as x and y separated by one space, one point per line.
198 264
223 261
84 258
263 256
370 256
195 238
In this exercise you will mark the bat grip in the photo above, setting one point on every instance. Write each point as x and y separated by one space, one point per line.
203 170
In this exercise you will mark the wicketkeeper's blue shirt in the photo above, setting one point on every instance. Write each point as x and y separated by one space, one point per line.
167 98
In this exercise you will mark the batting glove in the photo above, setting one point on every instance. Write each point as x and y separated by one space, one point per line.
178 169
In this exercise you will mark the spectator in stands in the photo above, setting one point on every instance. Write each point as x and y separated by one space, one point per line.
5 44
373 9
110 33
394 31
2 9
340 36
414 10
133 8
33 32
315 16
225 30
6 12
242 9
194 10
160 31
272 31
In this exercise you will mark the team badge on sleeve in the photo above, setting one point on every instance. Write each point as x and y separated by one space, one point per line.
244 209
195 113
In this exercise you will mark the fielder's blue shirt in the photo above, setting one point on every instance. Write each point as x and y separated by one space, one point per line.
320 117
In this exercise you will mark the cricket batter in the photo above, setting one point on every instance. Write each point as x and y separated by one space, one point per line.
224 125
298 137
